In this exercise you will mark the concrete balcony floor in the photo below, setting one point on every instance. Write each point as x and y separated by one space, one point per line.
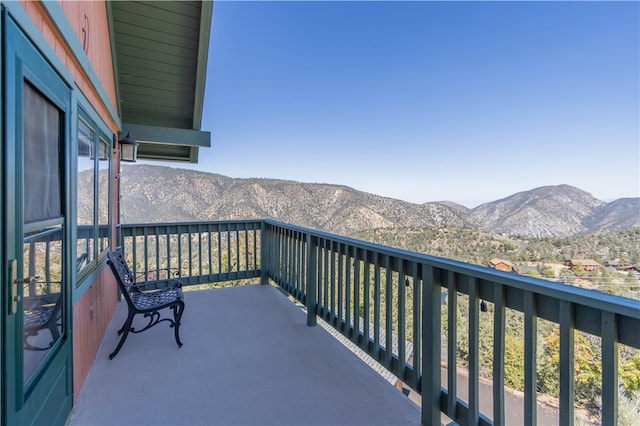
248 359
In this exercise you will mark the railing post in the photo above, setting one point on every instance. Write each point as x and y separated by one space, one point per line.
431 292
312 280
264 253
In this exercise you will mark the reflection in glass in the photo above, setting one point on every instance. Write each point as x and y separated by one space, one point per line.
103 195
85 192
42 299
42 253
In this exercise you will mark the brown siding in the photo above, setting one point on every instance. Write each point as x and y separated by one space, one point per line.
89 17
91 316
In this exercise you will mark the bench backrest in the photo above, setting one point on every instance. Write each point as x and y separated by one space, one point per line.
122 272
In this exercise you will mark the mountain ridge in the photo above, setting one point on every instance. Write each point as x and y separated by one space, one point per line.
161 193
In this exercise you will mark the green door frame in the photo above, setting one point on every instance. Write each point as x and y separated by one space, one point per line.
47 398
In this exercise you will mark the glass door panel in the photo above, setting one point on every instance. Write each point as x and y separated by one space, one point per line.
42 296
42 250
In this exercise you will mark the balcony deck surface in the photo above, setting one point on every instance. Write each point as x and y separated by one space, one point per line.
248 359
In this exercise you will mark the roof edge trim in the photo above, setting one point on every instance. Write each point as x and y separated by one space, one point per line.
168 135
206 12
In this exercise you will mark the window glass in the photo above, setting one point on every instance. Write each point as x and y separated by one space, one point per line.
103 194
93 188
42 292
86 193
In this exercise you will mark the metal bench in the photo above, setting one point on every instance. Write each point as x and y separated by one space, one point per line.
146 297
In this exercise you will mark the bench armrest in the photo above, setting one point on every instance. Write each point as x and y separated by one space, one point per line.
143 286
155 274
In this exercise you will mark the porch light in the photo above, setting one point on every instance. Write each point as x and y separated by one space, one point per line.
128 149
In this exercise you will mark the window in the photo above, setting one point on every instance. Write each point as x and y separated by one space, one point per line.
93 194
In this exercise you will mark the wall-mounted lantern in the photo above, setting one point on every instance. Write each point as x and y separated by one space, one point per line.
128 149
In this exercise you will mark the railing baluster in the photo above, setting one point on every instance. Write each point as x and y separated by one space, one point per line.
146 252
376 305
367 297
340 289
168 237
333 283
474 350
199 251
219 251
325 278
312 258
388 316
567 349
228 237
134 246
498 352
158 267
609 333
246 249
190 251
237 248
430 346
209 249
47 266
402 358
530 353
452 340
290 259
255 248
304 254
347 289
356 294
417 325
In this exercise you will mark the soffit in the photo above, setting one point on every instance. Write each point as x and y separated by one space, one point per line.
160 54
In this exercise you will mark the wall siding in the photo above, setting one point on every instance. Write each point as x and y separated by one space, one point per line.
91 317
98 49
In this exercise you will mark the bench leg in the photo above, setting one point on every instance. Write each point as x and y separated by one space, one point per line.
178 309
125 332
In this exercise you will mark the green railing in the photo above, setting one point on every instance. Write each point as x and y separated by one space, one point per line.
389 302
201 252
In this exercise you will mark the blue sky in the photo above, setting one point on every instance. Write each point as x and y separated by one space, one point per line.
427 101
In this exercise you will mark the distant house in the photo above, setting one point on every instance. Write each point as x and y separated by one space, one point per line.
501 265
628 268
615 263
588 265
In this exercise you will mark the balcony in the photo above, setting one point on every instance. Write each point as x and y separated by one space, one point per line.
250 358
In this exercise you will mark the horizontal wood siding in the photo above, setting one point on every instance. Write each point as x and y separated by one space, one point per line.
90 18
91 316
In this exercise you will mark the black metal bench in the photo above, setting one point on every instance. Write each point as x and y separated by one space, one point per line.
146 297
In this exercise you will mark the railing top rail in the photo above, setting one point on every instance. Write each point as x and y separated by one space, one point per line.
582 296
205 222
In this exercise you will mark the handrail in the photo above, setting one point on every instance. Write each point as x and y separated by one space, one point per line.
390 302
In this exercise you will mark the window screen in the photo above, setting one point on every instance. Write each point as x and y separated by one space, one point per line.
42 136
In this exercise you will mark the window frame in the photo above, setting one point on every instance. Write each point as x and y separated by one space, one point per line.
102 142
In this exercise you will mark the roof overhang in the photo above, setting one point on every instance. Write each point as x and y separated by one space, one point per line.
168 143
160 51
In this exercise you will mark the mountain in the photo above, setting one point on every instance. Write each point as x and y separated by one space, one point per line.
156 194
546 211
165 194
557 211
